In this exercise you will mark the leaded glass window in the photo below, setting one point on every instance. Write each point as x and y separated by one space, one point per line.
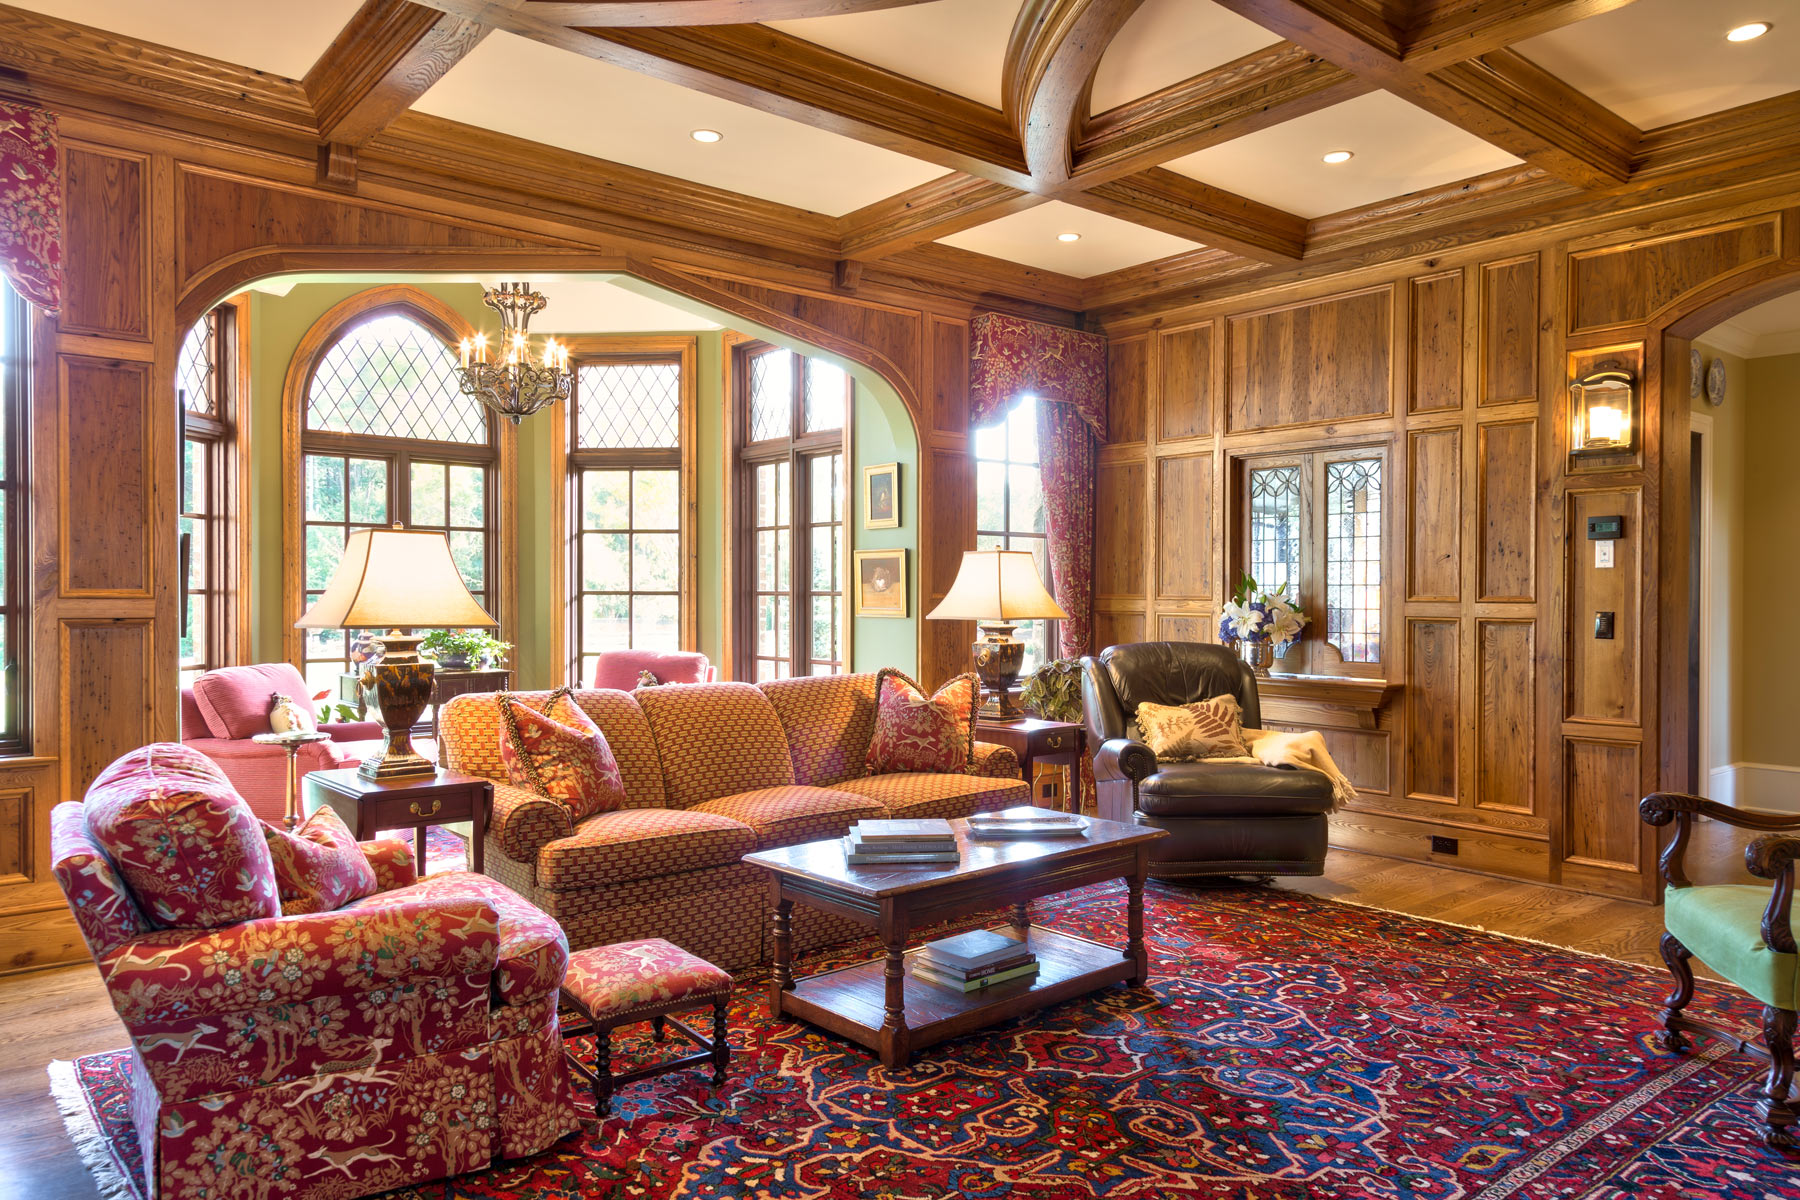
391 377
628 405
1353 558
208 494
1275 526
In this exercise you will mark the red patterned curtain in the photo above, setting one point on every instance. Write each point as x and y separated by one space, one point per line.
30 204
1065 369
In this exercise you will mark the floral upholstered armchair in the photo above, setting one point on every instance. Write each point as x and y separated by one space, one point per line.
405 1036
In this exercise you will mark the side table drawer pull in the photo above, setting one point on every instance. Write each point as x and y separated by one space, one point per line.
436 803
1054 741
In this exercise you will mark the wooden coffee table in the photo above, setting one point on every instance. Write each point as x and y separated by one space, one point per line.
878 1004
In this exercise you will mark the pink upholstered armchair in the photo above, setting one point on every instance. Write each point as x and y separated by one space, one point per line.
618 669
227 707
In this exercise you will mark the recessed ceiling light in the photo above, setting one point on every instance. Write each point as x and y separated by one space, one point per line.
707 135
1339 156
1748 33
1068 237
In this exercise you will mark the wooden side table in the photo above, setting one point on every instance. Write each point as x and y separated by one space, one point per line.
368 806
1053 743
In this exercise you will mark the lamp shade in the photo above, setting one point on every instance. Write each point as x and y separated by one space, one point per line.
997 585
395 577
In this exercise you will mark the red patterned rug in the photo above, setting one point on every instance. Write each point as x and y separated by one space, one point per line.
1287 1047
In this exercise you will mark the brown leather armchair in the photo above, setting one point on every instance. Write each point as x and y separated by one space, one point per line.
1223 818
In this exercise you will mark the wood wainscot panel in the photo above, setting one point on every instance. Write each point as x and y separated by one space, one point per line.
1184 401
1603 673
1506 521
1505 715
1320 361
1433 708
950 376
1127 388
104 438
1620 285
1602 786
106 287
1437 343
1186 627
17 820
1362 755
1117 628
1509 330
1478 848
108 694
1184 526
1119 529
1434 547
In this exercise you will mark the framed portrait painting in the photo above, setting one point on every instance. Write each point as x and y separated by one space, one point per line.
881 496
881 583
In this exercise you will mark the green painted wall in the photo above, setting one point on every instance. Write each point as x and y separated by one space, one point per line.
883 433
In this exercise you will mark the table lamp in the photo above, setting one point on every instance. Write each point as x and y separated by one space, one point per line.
388 579
994 588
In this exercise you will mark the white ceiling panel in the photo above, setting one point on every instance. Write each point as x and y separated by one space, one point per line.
281 39
1167 41
1398 149
1656 62
957 45
1771 328
512 85
1107 243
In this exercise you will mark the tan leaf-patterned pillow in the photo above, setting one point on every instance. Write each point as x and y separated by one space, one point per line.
1208 729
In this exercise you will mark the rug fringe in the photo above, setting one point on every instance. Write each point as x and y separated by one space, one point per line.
79 1123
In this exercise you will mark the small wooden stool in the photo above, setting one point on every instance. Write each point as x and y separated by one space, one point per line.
648 980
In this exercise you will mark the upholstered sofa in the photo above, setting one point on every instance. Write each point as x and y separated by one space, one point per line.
712 772
406 1036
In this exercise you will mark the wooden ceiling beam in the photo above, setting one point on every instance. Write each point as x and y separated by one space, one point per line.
921 215
382 61
620 13
1051 58
1198 211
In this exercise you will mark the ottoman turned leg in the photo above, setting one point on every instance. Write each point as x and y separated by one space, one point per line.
603 1080
721 1049
656 1028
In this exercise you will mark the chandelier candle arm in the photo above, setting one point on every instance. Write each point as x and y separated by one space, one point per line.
516 386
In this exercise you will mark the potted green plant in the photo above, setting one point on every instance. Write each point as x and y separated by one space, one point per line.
1053 693
463 649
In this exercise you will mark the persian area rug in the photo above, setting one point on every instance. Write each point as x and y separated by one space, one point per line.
1287 1047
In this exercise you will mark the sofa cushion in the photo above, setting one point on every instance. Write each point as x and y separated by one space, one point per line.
828 720
470 727
613 982
787 816
1210 728
533 950
319 866
641 843
1721 924
1212 789
235 701
716 739
560 753
182 839
916 732
916 797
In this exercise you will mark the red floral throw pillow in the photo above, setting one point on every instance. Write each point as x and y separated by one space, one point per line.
560 753
319 867
919 733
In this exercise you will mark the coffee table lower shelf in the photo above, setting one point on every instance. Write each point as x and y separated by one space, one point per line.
851 1001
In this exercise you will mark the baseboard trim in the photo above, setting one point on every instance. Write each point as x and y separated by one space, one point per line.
1771 786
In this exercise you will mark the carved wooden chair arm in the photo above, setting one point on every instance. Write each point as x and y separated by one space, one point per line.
1661 808
1772 857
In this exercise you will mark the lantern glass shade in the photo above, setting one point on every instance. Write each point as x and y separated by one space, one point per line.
1603 413
396 577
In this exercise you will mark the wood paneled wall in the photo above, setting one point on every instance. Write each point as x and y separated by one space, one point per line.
1504 723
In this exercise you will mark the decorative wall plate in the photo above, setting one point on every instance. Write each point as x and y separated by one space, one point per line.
1715 382
1696 375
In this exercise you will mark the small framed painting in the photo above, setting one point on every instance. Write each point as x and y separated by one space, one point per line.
881 496
880 583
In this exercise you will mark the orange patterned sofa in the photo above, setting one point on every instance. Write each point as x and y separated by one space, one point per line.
712 771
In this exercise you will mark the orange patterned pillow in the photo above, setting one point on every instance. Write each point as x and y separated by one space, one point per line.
319 867
560 754
919 733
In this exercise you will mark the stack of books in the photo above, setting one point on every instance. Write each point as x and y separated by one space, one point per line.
900 842
1026 823
971 961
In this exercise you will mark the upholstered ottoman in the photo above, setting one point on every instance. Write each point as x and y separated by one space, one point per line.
648 980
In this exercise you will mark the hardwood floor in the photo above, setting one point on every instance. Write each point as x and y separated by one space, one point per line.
64 1013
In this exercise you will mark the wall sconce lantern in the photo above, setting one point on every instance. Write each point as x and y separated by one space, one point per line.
1603 411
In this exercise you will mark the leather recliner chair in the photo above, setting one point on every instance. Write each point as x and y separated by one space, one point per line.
1223 818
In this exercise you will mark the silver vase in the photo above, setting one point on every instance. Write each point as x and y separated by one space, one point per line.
1258 654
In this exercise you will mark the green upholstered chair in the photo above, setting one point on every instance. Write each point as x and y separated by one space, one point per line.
1743 931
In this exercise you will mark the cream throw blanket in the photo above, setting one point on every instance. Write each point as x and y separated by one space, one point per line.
1273 748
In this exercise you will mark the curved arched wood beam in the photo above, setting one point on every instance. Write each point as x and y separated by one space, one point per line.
385 58
596 14
1050 62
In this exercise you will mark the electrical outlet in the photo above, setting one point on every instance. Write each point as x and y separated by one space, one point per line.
1603 555
1443 845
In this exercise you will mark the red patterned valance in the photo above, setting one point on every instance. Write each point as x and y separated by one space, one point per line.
30 204
1010 356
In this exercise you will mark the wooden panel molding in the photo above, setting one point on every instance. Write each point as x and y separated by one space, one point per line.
1437 343
1509 336
1602 782
1433 707
1619 285
1127 386
1506 516
1184 401
1119 497
1604 675
1117 628
105 423
1435 501
106 292
1323 360
18 817
1506 718
1184 537
949 376
108 687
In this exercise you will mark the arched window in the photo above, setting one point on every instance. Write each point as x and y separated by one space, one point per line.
387 436
206 387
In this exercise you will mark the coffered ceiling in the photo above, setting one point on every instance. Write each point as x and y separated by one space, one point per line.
1181 139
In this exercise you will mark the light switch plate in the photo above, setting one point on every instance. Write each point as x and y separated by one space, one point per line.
1603 554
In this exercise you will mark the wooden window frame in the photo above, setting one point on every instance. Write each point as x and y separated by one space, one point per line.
499 456
796 450
218 432
1052 647
1313 655
570 460
16 344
